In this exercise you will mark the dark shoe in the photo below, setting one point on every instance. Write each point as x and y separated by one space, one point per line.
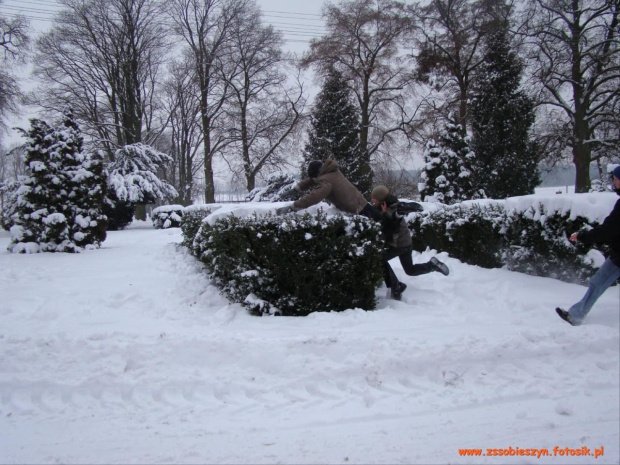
564 315
397 291
440 266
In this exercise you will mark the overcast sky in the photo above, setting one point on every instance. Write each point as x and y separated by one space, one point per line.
298 20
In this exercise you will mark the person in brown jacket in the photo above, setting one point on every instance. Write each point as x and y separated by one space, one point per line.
398 243
330 185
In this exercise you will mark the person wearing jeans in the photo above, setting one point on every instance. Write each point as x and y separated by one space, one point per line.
608 232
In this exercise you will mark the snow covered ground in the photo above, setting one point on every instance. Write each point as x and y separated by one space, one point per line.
128 354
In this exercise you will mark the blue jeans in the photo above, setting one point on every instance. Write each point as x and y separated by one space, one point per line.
602 279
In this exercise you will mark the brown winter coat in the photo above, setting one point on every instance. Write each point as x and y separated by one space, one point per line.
332 186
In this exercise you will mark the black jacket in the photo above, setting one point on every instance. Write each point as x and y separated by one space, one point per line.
608 232
393 226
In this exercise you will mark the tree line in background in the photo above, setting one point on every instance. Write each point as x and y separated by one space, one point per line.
487 89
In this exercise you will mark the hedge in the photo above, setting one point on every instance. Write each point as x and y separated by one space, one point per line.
292 265
534 241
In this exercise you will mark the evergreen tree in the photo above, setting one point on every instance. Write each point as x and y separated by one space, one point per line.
133 180
59 203
502 115
335 133
447 173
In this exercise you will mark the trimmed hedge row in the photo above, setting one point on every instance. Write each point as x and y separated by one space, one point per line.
291 265
533 242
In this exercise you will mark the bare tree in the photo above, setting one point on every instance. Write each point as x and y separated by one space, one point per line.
14 44
102 58
449 42
205 26
263 111
182 104
574 54
362 42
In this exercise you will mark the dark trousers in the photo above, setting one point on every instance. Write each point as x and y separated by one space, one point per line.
404 255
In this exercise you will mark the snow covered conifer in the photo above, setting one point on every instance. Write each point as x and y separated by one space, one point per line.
57 208
447 173
502 115
133 176
277 184
335 133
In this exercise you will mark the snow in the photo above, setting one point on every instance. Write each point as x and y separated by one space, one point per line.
167 209
129 354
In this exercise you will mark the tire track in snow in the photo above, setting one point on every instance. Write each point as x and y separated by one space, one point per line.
120 381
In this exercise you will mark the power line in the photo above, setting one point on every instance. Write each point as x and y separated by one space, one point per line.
299 27
35 10
38 18
20 3
292 12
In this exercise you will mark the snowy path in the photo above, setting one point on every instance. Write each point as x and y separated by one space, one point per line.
128 355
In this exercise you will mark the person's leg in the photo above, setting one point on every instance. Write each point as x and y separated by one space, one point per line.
404 255
602 279
420 268
391 281
388 273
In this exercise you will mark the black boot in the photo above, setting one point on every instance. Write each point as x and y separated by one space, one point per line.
397 291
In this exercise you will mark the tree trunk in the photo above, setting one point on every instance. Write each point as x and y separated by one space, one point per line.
581 158
208 171
140 212
582 150
365 118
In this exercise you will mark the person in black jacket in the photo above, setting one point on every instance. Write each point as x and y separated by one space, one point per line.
397 238
608 232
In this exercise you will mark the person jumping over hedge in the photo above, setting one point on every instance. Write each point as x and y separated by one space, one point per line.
397 238
330 185
607 232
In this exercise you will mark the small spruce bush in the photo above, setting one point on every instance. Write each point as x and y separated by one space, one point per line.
58 206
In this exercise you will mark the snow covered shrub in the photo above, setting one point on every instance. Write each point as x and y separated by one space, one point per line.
58 205
470 233
167 216
598 185
133 181
8 202
191 222
294 265
277 183
119 213
537 244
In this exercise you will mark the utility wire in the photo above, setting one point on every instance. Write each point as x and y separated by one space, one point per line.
299 27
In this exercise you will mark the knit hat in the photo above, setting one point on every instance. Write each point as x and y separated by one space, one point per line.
314 168
380 193
616 171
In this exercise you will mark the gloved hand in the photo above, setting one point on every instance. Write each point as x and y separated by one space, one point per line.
288 194
284 210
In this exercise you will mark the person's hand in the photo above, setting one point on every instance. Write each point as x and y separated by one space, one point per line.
573 237
288 194
284 210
